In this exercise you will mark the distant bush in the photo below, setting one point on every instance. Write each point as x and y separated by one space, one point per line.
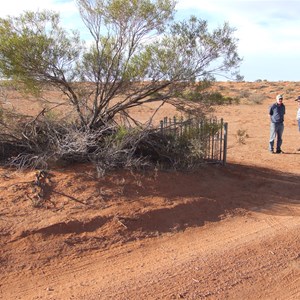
213 99
260 80
219 99
289 90
244 94
256 98
263 86
251 98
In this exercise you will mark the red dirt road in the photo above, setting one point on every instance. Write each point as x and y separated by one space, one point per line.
223 232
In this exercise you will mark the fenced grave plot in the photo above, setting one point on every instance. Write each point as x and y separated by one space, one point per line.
207 136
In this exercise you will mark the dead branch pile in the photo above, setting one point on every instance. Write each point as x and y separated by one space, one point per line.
37 143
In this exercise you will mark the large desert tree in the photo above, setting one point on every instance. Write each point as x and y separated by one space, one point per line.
136 53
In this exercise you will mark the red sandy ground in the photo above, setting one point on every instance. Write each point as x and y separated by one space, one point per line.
223 232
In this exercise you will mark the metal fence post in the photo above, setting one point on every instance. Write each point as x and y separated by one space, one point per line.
221 139
225 143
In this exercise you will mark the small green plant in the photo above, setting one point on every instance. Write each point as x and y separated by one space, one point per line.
51 115
241 136
120 134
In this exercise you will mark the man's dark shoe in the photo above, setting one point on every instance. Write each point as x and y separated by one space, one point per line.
279 151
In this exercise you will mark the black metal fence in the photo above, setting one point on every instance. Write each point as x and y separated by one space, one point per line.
210 135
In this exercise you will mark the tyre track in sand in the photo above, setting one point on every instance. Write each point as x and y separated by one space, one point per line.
151 269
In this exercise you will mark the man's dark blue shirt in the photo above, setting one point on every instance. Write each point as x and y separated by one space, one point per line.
277 113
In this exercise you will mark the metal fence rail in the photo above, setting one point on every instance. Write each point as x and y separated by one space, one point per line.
211 135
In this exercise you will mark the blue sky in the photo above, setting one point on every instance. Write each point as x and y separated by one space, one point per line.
268 30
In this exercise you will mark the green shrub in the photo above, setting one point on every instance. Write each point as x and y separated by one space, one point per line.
241 136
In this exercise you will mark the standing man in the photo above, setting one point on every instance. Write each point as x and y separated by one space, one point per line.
276 111
298 115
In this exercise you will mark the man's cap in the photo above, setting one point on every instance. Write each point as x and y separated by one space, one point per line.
298 98
279 97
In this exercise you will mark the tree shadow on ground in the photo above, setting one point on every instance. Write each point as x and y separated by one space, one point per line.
208 195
